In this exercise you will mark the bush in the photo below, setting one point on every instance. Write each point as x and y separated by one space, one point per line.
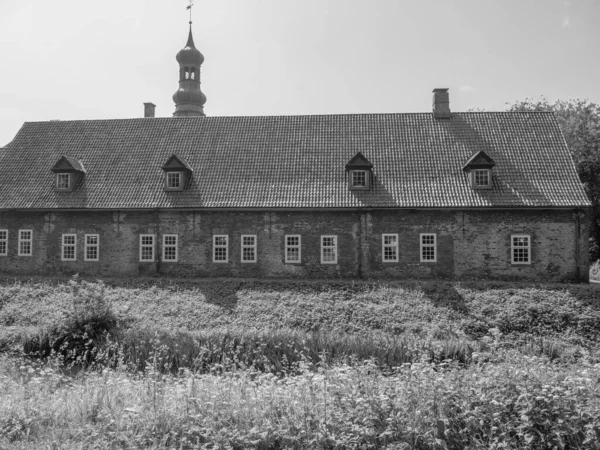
85 328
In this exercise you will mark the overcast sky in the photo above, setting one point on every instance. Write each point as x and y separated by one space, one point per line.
70 59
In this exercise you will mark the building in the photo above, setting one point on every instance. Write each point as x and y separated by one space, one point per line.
427 195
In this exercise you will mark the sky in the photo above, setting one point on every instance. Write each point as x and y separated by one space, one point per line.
72 60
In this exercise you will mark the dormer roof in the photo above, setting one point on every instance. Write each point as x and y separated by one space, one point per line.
176 163
359 162
66 164
479 160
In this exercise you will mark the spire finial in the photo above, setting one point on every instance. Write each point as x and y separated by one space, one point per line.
190 8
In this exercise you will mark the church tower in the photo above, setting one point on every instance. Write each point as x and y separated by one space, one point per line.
189 99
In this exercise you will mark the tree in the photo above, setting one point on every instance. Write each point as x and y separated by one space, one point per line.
579 121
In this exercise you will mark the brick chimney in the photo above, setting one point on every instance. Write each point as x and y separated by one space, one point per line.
149 109
441 104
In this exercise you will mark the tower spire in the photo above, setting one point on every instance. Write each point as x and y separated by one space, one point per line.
189 99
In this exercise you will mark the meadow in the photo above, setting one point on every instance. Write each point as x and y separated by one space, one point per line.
296 364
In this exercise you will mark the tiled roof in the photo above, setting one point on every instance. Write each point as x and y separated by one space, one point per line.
294 161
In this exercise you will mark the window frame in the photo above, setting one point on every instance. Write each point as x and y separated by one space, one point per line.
293 246
87 245
142 246
4 241
64 246
179 177
225 246
355 186
423 246
165 245
21 240
396 246
513 247
474 179
244 246
335 247
69 179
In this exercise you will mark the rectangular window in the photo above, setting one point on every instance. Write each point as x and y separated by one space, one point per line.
3 242
170 247
248 248
63 181
146 247
92 247
520 248
389 244
220 248
328 249
481 178
359 178
428 247
173 180
69 247
25 242
292 248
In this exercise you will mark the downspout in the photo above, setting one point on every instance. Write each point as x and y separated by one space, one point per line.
577 249
158 246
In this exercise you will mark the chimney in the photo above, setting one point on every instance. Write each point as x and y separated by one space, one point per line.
149 109
441 104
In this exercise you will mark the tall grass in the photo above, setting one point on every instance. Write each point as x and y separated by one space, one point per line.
521 403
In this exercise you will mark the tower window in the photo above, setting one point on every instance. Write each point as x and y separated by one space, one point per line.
193 74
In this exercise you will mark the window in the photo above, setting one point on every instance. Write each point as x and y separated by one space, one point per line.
92 247
69 247
3 242
481 178
170 247
428 247
328 249
359 178
292 248
173 180
520 249
25 242
220 248
389 244
248 248
146 247
63 181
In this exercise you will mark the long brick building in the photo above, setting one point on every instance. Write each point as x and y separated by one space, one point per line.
440 194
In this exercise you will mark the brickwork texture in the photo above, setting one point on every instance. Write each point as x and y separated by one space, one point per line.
469 243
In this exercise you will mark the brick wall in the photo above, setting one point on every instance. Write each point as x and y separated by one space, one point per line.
469 243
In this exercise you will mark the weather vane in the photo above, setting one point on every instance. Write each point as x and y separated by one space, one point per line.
190 8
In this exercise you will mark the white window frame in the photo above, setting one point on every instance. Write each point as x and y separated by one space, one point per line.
65 245
474 179
22 241
225 246
179 179
4 241
87 245
152 246
58 177
359 186
394 246
289 246
165 245
335 248
513 247
422 246
244 246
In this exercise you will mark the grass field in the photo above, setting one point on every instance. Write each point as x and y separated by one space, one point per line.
297 364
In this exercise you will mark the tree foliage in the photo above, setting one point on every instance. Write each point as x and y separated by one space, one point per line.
579 121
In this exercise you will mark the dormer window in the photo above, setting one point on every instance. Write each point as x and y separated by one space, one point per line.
68 172
177 173
481 178
63 181
479 167
360 172
174 180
